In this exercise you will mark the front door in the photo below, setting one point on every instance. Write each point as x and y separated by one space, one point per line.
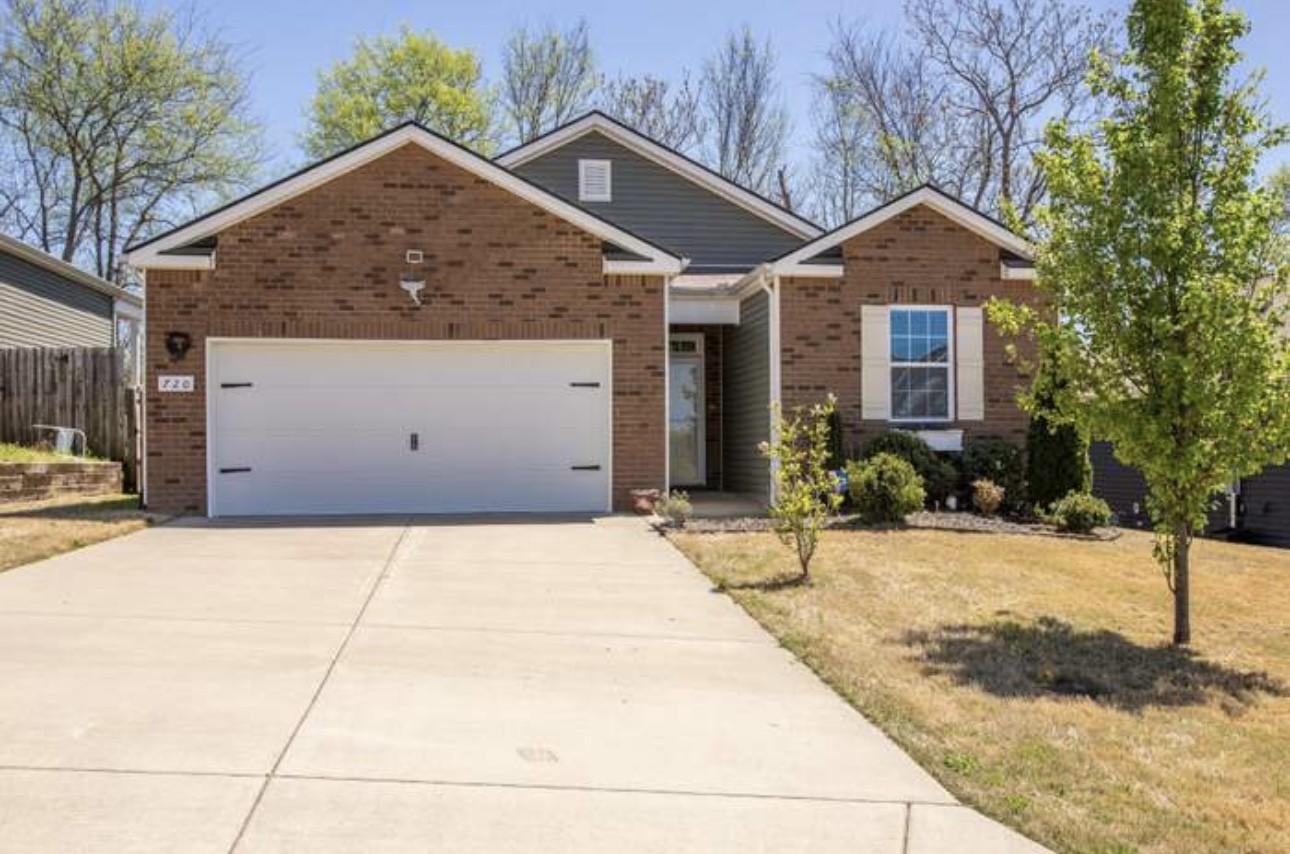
685 405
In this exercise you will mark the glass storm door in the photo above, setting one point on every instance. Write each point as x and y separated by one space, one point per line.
685 395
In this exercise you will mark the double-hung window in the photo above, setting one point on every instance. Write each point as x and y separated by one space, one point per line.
921 359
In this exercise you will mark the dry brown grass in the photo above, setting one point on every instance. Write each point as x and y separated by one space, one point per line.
1031 675
37 530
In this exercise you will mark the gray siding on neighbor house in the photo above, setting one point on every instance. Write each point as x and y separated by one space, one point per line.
1125 490
746 396
1266 502
39 308
661 206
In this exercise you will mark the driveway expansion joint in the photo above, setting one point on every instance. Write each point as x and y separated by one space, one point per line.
322 683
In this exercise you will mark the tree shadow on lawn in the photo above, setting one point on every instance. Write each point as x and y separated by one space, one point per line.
1050 658
766 585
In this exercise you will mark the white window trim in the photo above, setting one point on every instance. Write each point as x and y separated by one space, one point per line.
583 167
948 364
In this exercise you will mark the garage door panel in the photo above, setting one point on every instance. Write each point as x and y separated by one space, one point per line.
327 427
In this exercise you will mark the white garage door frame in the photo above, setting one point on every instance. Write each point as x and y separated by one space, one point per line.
212 344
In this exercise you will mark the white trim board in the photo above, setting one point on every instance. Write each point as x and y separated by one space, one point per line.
151 253
665 157
794 263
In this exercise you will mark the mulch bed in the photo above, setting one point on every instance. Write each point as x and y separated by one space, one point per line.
927 519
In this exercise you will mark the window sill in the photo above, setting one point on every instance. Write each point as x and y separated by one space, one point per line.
939 440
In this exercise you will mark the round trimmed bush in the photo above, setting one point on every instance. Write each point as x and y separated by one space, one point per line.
885 488
987 496
1079 513
940 477
1000 463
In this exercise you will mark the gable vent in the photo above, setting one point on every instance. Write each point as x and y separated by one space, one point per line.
595 180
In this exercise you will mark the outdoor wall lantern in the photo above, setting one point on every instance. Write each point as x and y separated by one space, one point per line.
178 344
410 279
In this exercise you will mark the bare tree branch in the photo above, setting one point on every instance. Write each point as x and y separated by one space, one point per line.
549 77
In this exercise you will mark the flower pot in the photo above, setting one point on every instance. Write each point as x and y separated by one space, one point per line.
643 500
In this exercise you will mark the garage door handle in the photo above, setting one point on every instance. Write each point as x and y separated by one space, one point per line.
584 385
585 468
237 470
236 385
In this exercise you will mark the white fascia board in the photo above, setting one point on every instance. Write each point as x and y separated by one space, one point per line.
1025 274
810 271
651 150
942 204
697 309
669 267
149 254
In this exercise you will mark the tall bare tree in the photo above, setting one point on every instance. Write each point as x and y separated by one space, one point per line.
883 125
549 77
669 114
747 117
1012 65
114 122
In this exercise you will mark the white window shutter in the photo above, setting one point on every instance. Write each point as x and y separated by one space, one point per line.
875 362
970 367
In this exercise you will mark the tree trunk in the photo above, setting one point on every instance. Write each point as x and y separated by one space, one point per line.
1182 585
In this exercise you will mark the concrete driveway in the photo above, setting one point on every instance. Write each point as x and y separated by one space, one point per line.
428 685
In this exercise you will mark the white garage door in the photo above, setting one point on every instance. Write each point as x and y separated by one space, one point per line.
374 427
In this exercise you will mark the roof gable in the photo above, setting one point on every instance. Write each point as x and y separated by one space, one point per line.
678 163
800 260
170 250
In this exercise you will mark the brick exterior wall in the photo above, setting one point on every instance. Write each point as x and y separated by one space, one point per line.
326 264
917 257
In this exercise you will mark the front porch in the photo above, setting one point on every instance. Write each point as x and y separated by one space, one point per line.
719 364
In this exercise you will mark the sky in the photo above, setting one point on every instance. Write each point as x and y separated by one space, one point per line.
286 42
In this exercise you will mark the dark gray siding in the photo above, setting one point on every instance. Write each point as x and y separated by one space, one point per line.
661 206
1125 490
746 352
1119 486
39 308
1266 502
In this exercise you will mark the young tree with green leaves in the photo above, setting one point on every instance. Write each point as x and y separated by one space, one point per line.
115 122
394 79
806 490
1165 309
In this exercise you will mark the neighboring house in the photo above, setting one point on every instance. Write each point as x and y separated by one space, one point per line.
46 302
409 327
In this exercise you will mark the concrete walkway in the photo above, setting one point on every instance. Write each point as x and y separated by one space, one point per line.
389 686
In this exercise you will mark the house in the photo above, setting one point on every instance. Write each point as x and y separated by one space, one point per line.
410 327
46 302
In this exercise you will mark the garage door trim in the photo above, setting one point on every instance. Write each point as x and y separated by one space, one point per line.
212 343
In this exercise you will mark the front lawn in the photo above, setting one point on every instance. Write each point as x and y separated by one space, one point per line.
1031 675
37 530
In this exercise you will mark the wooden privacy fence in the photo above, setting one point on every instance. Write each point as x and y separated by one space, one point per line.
81 387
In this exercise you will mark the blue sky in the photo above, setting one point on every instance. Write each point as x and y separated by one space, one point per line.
287 41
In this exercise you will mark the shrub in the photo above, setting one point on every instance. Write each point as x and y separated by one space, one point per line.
1079 513
999 462
885 488
987 496
1057 461
675 507
940 477
805 488
837 441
